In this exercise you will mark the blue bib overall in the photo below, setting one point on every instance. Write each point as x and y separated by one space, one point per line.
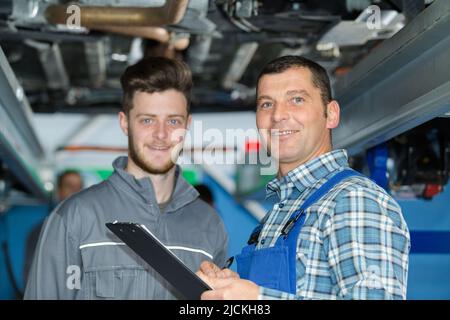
275 267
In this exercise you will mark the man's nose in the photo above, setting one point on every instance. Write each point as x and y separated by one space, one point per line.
280 112
160 131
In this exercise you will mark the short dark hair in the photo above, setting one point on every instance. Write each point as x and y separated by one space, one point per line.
320 77
155 74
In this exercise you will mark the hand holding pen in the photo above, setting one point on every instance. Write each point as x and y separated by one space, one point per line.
225 283
211 270
228 263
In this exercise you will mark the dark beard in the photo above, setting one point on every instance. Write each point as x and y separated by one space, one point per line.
137 159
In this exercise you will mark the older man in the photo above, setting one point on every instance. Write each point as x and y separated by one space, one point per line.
334 234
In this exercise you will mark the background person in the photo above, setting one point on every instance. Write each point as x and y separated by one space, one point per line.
67 183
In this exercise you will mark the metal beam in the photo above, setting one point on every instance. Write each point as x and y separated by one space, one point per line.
20 148
240 62
400 85
52 64
96 62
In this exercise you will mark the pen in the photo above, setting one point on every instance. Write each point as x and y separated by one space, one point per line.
229 262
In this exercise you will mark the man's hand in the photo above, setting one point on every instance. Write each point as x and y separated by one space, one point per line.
226 284
231 289
211 270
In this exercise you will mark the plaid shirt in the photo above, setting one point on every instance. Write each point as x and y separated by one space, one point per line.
354 243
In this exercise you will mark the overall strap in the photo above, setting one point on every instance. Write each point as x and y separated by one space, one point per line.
327 186
256 231
297 220
319 193
316 195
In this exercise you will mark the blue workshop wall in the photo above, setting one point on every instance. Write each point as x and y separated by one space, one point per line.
238 221
429 267
15 226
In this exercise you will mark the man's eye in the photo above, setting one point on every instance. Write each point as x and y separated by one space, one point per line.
174 121
265 105
146 121
298 100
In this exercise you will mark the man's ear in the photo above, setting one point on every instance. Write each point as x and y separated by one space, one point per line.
189 121
123 122
333 114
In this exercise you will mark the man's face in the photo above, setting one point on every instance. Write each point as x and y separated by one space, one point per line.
156 126
291 117
70 184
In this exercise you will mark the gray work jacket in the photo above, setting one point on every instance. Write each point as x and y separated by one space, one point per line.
77 257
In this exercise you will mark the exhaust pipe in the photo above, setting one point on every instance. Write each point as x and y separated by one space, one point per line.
155 33
96 16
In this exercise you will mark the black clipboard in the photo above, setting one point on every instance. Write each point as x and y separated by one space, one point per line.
167 264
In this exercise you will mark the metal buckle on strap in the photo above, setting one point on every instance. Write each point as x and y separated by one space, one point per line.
287 227
290 224
254 236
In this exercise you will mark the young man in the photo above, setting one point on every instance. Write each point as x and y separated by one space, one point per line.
77 256
334 234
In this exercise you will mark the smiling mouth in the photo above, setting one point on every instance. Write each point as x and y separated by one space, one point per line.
159 148
283 132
